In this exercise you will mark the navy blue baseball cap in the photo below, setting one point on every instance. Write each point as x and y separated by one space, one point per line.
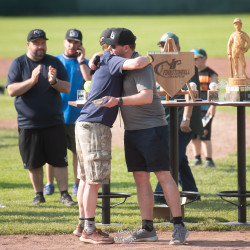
105 34
120 36
36 34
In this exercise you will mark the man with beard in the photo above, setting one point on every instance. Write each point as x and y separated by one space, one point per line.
76 65
36 80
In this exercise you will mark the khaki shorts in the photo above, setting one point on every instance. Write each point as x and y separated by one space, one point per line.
93 147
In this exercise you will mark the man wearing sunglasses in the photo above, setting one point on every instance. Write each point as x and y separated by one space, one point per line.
145 139
93 139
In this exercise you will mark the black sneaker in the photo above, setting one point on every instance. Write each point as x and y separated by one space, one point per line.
196 162
38 199
67 200
209 164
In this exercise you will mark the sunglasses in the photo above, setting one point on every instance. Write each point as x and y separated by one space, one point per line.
113 46
161 45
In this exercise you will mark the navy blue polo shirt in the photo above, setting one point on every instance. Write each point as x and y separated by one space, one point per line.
107 81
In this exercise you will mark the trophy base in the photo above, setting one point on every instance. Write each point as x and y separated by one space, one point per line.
237 93
239 81
195 94
212 95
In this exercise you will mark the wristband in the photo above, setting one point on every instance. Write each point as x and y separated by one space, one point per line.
120 102
82 62
55 82
185 119
151 59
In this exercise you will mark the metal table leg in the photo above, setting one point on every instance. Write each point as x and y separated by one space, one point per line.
106 204
241 147
174 143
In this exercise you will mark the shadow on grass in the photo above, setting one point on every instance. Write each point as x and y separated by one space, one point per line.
8 146
11 185
41 215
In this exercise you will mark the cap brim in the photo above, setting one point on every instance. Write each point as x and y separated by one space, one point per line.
32 40
199 55
161 42
109 41
74 39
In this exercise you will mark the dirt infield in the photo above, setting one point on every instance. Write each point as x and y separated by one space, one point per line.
220 65
196 240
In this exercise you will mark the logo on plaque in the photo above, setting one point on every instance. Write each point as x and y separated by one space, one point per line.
173 70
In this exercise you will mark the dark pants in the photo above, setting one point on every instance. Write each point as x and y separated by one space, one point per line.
186 178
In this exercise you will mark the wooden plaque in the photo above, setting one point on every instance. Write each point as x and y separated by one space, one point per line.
173 70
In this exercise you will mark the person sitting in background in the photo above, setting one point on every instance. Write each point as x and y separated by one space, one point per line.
206 76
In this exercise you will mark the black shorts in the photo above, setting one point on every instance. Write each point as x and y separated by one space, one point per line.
147 149
206 130
70 137
44 145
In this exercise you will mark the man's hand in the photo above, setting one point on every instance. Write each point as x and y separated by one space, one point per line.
211 110
52 75
81 54
112 101
94 63
35 74
185 126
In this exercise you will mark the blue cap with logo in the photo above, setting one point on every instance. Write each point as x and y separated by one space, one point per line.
199 53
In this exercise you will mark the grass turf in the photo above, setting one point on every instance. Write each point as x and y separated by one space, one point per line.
210 32
21 217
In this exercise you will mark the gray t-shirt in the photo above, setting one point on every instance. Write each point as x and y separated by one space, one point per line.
138 117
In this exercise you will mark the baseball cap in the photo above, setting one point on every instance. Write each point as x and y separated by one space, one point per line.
120 36
199 53
105 34
237 20
74 34
36 34
168 35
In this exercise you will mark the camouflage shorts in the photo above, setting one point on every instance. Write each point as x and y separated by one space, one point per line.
93 147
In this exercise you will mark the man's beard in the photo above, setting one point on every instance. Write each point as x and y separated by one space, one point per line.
70 54
39 54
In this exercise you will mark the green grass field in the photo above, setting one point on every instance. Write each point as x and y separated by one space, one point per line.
210 32
20 217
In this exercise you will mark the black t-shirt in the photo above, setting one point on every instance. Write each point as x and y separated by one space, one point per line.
40 106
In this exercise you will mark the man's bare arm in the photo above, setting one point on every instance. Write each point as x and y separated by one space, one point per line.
185 123
137 63
62 86
20 88
142 98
